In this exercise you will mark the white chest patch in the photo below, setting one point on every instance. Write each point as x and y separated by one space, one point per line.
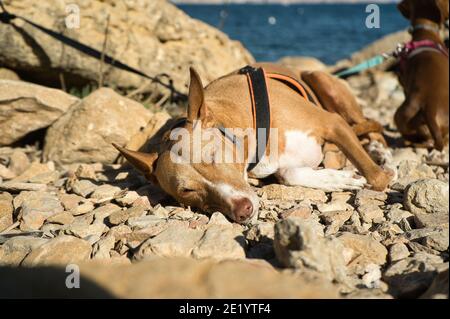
301 150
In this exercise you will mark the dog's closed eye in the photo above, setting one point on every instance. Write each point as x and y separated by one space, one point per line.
187 191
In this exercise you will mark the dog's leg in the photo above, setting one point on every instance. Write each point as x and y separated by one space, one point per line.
339 132
434 128
407 118
325 179
335 96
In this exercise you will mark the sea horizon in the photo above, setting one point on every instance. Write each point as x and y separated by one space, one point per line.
282 2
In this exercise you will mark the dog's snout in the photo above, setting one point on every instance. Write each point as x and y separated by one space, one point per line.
242 209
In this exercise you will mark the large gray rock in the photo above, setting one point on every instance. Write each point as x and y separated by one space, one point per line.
152 36
300 244
26 107
427 196
86 131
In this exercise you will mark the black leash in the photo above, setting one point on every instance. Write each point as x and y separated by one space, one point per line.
6 17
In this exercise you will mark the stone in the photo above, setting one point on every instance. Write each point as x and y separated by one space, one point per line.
174 42
63 218
6 74
431 220
262 232
219 219
419 248
35 169
105 192
287 193
372 276
84 134
70 201
82 209
437 241
198 222
18 162
86 171
302 212
367 196
160 212
168 278
398 251
370 212
127 199
59 250
6 173
83 187
182 214
220 243
405 154
35 208
334 206
102 248
17 187
335 219
84 231
46 178
15 249
143 221
411 171
411 276
302 63
176 241
300 244
6 211
121 216
396 214
427 196
365 251
26 107
119 232
104 211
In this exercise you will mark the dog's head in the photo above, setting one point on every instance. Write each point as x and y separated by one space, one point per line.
193 169
434 10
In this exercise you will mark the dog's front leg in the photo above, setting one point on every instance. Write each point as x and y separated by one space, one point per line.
325 179
337 131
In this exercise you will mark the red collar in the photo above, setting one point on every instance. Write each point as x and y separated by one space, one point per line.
410 48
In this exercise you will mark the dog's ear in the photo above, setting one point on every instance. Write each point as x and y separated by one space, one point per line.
141 161
443 8
405 8
197 108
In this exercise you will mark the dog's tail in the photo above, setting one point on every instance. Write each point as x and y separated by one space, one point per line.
366 127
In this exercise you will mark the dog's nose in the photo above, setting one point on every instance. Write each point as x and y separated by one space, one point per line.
243 209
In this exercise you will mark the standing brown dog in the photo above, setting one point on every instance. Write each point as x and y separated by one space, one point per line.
424 74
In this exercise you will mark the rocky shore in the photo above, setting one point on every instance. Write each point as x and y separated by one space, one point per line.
65 199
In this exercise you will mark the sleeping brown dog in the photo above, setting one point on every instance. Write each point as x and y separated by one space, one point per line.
424 74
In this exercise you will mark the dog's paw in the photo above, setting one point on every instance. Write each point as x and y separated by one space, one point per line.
383 157
343 180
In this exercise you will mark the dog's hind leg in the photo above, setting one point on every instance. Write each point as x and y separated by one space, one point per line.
325 179
336 97
435 130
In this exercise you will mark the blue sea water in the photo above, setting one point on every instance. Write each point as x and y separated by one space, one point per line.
329 32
